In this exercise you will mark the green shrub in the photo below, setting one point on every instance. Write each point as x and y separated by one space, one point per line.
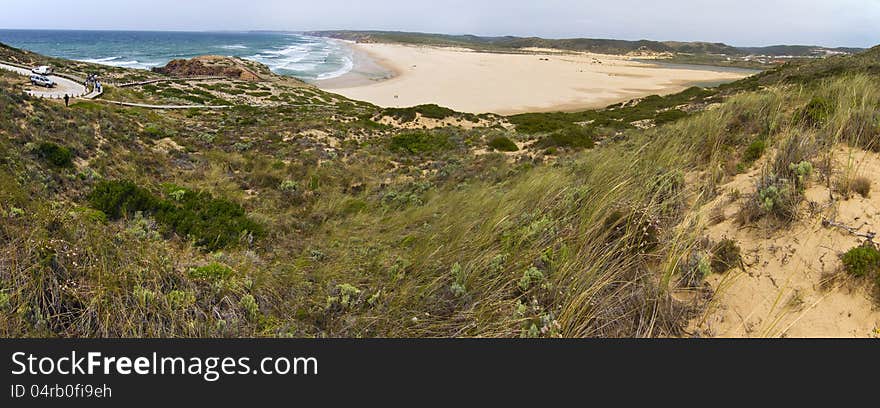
802 172
179 299
434 111
769 198
537 123
58 156
862 260
250 306
572 136
754 151
154 131
289 187
419 142
409 114
669 116
211 272
503 144
816 113
530 278
775 196
345 296
212 223
695 270
725 256
119 198
457 288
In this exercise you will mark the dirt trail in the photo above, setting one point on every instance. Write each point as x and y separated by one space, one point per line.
793 285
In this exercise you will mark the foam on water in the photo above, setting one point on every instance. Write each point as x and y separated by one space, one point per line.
310 58
118 62
304 57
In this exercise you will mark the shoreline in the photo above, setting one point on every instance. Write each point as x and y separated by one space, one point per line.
367 69
396 75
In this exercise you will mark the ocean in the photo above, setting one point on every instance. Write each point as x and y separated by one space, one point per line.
304 57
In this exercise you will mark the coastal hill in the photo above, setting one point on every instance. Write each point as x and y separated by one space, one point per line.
599 46
745 210
213 65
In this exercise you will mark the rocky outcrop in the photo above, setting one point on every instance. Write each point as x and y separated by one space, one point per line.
232 68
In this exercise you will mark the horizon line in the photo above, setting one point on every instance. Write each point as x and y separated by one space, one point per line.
418 32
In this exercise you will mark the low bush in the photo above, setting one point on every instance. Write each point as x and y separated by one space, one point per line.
537 123
754 151
119 198
531 277
154 131
410 114
212 223
572 137
862 260
211 272
58 156
669 116
726 255
503 144
694 270
419 142
815 113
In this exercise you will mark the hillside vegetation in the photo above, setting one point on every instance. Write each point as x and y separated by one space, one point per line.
596 45
316 216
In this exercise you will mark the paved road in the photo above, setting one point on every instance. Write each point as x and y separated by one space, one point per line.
64 86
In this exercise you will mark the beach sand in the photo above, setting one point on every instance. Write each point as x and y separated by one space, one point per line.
391 75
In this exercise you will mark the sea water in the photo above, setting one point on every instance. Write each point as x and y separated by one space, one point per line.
302 56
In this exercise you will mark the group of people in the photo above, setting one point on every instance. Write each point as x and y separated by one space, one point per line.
93 80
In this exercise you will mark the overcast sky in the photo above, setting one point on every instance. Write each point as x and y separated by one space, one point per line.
736 22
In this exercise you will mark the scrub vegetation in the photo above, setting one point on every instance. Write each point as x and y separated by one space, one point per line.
309 217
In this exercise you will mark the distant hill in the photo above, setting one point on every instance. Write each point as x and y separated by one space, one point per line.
603 46
807 71
798 50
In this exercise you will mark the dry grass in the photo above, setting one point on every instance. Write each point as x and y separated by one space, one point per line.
441 245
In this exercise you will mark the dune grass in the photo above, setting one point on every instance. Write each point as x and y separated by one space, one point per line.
387 233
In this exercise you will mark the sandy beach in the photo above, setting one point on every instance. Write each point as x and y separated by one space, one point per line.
392 75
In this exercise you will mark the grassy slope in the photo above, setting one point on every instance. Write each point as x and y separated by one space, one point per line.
363 238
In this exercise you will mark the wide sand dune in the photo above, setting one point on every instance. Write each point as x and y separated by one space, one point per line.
480 82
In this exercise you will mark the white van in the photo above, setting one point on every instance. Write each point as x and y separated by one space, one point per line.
40 80
42 70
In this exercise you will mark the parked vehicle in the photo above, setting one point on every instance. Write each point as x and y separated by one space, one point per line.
42 70
40 80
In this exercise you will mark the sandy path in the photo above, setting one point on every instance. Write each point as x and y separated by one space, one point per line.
479 82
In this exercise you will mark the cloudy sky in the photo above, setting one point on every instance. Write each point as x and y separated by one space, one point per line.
736 22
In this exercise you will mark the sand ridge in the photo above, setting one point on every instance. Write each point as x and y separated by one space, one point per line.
793 284
509 83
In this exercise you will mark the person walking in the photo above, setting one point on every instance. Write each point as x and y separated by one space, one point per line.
66 100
